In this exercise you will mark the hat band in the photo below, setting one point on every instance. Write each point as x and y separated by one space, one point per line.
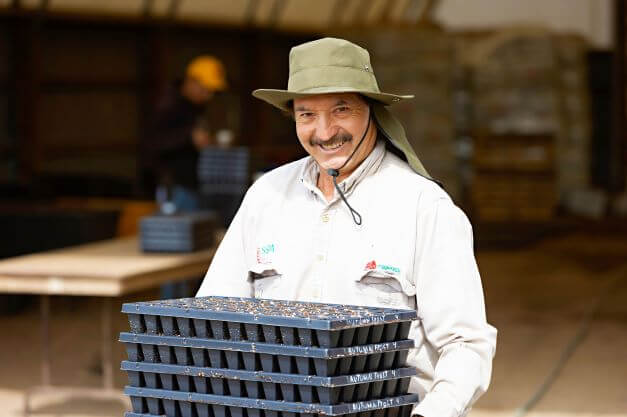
332 76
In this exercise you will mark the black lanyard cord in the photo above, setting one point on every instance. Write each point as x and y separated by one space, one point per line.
335 172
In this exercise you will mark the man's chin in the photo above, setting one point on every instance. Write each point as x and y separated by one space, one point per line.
334 162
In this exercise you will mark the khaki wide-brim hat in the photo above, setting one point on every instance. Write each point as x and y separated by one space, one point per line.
331 66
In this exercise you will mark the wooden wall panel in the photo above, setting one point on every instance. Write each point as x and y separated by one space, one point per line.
82 54
89 120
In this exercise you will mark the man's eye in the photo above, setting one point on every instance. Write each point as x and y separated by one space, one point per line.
305 115
342 109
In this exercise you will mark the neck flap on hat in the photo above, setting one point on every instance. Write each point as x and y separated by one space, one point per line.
393 131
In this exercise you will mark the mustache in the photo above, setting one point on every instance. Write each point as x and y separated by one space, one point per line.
333 140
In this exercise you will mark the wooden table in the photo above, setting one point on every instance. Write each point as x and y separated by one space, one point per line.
105 269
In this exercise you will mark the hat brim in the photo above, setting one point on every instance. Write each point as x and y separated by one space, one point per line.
280 98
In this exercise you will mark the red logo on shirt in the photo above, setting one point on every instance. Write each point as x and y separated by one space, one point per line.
371 265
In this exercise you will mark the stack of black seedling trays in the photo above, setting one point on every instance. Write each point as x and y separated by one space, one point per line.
179 232
244 357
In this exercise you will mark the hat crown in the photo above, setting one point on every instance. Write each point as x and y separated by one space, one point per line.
330 62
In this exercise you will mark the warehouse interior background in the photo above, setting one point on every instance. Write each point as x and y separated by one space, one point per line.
519 112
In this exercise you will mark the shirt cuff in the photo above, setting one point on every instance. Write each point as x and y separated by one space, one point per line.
436 404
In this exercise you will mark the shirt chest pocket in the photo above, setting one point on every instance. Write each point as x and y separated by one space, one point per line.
266 281
380 288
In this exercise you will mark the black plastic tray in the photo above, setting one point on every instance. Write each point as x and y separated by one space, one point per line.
173 408
229 330
271 386
266 357
154 406
289 314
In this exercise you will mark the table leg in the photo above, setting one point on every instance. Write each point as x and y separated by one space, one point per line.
107 363
45 340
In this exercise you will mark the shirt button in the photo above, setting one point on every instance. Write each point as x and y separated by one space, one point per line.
320 258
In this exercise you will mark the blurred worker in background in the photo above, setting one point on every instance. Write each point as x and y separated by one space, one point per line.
180 129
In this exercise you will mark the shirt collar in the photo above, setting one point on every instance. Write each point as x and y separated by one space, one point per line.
311 170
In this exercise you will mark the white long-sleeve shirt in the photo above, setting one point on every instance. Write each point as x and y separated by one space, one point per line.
413 250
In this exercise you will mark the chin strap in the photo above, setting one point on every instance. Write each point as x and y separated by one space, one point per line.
336 172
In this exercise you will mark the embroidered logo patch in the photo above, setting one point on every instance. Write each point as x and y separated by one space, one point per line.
265 253
373 266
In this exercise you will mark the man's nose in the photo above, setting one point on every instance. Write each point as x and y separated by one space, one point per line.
325 128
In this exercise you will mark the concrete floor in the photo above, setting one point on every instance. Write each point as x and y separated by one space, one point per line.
536 296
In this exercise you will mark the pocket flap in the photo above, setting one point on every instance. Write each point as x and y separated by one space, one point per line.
387 281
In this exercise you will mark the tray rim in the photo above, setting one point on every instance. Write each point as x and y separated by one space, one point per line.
274 377
388 315
315 408
266 348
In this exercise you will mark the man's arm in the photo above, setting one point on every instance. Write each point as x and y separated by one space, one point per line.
228 274
451 305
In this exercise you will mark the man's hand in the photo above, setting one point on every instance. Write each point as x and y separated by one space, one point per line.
201 138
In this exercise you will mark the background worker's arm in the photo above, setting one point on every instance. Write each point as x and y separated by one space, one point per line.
451 306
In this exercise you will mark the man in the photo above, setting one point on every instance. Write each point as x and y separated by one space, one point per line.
354 223
180 130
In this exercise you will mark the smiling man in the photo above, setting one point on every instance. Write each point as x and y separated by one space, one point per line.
360 222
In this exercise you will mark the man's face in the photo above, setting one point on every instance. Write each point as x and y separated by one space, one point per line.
195 91
329 126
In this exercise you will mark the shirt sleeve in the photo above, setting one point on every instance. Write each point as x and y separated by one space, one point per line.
227 275
451 306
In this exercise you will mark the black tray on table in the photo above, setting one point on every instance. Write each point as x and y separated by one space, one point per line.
268 385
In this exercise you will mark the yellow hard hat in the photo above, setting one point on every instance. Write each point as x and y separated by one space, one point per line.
208 71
